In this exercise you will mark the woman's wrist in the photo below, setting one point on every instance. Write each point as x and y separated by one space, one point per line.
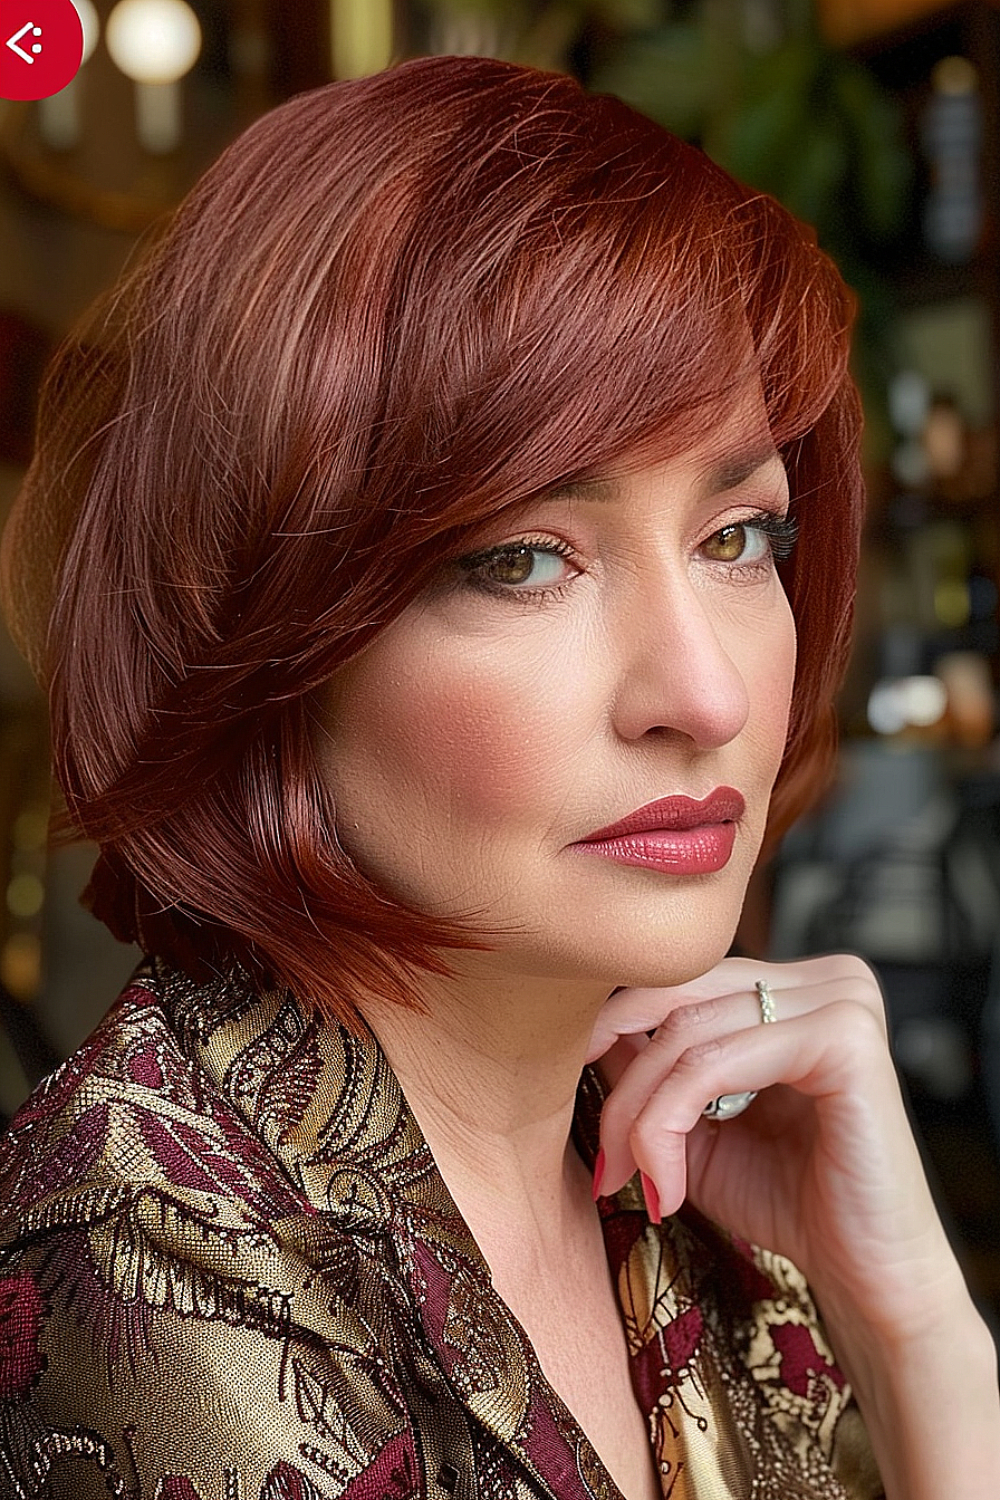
896 1294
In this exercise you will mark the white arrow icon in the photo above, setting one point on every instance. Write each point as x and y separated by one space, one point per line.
36 47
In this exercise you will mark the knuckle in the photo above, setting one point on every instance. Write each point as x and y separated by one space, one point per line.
867 993
652 1135
842 966
699 1055
861 988
852 966
673 1030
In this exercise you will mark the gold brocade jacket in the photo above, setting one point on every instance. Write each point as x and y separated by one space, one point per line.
230 1270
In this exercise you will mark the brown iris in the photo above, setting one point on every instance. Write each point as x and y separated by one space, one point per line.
727 545
512 565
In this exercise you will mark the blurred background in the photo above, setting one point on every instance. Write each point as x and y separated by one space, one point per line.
876 120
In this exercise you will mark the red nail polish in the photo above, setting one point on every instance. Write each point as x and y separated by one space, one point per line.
652 1198
598 1174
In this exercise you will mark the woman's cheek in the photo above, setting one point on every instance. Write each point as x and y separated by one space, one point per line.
492 744
484 739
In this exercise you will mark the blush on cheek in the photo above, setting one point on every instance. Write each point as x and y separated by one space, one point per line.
475 748
436 786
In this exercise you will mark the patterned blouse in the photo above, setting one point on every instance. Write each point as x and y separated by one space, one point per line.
230 1270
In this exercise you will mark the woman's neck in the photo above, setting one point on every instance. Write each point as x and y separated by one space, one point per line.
490 1070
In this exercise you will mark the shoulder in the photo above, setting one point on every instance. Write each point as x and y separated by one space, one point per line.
172 1307
198 1391
131 1116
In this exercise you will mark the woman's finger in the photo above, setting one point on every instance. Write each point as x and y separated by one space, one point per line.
631 1010
693 1029
620 1055
686 1025
821 1054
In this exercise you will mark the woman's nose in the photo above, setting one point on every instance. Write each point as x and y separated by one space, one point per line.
677 669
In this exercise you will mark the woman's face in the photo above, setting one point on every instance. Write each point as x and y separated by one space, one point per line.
605 649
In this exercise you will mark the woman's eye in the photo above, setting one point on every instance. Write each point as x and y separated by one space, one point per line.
734 543
752 541
517 565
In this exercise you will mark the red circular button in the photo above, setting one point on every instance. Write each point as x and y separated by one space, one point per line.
41 47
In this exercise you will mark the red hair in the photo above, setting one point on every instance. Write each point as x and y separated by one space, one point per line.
393 307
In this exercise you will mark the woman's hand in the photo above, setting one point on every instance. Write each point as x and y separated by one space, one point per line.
822 1167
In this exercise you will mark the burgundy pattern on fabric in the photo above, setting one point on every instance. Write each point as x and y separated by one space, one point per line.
230 1270
20 1320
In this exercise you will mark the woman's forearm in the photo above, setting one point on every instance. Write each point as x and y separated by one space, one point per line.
931 1404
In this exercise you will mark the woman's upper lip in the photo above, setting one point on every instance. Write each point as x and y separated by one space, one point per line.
724 805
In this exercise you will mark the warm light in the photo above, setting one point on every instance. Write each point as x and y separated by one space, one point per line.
154 41
954 75
25 895
971 700
21 968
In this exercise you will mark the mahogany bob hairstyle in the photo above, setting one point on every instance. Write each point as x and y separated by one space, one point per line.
394 307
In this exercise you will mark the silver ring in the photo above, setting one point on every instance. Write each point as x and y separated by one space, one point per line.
767 1010
728 1106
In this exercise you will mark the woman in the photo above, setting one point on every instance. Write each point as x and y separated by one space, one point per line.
408 553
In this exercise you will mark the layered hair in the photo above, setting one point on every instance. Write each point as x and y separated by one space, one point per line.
394 307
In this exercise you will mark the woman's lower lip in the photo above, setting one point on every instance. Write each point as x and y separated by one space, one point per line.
687 851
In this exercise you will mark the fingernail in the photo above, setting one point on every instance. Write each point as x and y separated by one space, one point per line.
652 1198
598 1174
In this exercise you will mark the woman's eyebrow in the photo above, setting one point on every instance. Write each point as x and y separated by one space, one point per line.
732 472
584 489
727 474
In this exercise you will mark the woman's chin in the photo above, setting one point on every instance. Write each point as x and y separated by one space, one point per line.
678 963
671 957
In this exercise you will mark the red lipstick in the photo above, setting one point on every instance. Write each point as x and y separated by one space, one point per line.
679 835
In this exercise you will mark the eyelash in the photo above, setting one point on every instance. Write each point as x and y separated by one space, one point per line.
781 532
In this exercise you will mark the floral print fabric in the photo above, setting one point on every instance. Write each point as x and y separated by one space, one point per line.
230 1270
